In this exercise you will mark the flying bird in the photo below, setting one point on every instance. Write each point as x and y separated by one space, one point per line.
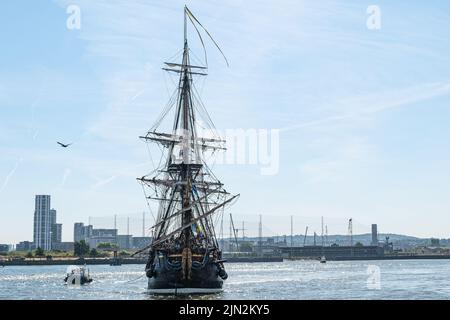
63 145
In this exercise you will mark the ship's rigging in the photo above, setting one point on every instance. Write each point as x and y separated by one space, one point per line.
187 191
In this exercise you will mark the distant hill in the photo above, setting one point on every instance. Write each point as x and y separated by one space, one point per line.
399 241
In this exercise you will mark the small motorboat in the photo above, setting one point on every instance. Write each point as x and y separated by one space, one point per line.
323 259
77 275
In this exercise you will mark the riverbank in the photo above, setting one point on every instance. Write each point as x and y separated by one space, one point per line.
71 261
384 257
112 261
395 257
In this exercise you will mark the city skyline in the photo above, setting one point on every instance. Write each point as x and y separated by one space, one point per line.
362 113
100 232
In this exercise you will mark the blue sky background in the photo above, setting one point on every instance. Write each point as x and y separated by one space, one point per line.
364 115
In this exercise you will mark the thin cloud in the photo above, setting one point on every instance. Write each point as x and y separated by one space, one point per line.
36 132
137 95
104 182
125 172
66 175
10 175
380 102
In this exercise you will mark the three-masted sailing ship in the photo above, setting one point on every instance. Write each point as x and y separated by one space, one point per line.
184 255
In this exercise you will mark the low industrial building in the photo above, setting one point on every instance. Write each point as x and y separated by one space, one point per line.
141 242
102 236
25 246
93 236
124 241
63 246
331 251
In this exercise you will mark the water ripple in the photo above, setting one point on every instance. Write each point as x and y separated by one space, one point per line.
413 279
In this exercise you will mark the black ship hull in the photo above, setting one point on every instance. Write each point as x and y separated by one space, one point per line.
167 277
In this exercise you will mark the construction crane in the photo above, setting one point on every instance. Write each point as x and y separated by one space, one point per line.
241 229
234 232
304 238
322 234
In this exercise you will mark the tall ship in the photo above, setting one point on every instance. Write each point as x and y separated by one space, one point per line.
184 255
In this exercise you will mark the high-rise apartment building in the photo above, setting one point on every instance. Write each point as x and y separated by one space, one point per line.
42 223
56 233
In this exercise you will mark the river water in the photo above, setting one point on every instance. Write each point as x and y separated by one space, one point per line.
394 279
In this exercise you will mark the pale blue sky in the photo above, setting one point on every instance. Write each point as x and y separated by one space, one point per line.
364 114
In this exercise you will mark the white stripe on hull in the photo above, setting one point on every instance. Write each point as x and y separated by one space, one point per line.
185 291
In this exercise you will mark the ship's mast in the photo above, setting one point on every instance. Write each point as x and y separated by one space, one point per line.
185 94
187 190
186 133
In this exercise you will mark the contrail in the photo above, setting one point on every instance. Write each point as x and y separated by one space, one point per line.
137 94
35 134
67 173
10 174
103 182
